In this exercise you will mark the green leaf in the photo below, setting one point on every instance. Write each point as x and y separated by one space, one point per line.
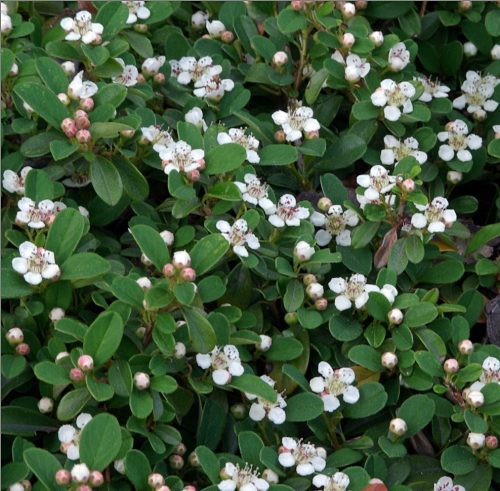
103 337
52 74
421 314
303 407
201 332
333 188
127 290
209 463
61 149
65 234
211 425
448 271
284 349
366 356
365 110
100 391
164 384
137 469
72 403
50 373
151 244
13 285
417 411
294 296
100 441
254 385
141 403
225 191
414 249
250 446
17 420
134 183
372 399
106 180
84 266
207 252
482 237
275 155
113 16
363 234
43 101
7 59
225 158
44 465
107 130
290 21
492 22
139 43
344 152
458 460
113 94
39 186
344 328
120 378
98 55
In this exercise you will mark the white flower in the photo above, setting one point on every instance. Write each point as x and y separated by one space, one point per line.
338 482
14 183
243 479
396 150
16 486
399 57
470 49
434 216
333 224
168 237
136 10
262 408
80 473
81 27
151 66
35 263
306 457
6 21
446 484
315 291
296 121
354 290
377 184
238 236
223 361
490 374
129 75
356 68
78 89
191 70
158 137
198 19
459 142
248 142
213 88
432 90
215 28
32 215
181 157
195 116
303 251
69 436
392 96
255 192
476 440
333 384
56 314
477 93
287 212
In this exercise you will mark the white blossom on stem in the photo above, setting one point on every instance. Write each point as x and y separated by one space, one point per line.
261 408
459 142
337 482
255 192
69 436
394 98
35 264
399 57
377 185
14 183
33 215
136 10
334 223
78 89
151 66
288 213
445 483
490 373
434 216
215 28
6 21
477 93
247 141
432 90
355 290
241 478
195 116
224 363
305 457
158 137
181 157
396 150
129 75
296 122
238 236
82 28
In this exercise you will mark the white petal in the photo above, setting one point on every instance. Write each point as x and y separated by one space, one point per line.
351 395
203 361
221 377
286 459
392 113
323 237
66 433
20 265
33 278
446 152
317 384
257 412
325 369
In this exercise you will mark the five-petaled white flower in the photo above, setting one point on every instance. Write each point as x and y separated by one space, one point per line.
212 88
434 216
69 436
432 90
287 212
14 183
82 27
241 478
459 141
129 75
377 184
151 66
188 69
248 142
262 408
477 93
306 457
78 89
490 374
158 137
296 121
32 215
355 67
399 57
333 384
224 362
394 98
396 150
136 10
337 482
181 157
445 483
35 263
334 224
238 236
256 192
354 290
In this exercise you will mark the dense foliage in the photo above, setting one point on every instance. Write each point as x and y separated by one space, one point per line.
250 246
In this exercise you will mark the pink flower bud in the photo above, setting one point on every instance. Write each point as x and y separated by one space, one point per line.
451 366
321 304
475 398
181 259
408 185
227 37
476 440
23 349
188 274
96 479
464 5
82 122
68 127
466 347
141 79
348 40
296 5
14 336
454 177
76 375
180 449
361 4
45 405
311 135
280 136
491 442
176 462
168 270
163 488
377 38
86 363
97 40
194 175
398 426
155 480
389 360
26 485
83 136
142 380
324 203
63 477
64 98
87 104
159 78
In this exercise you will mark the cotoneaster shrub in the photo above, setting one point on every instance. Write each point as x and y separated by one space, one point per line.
250 246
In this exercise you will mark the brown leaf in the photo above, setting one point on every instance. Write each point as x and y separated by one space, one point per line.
382 255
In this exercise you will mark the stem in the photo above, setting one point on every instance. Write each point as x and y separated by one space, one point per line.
331 427
303 56
423 8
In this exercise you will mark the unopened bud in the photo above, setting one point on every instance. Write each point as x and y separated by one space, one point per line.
491 442
45 405
470 49
64 98
466 347
324 203
96 479
87 104
495 52
395 316
179 350
476 440
311 135
76 375
127 133
26 485
163 488
141 380
168 270
309 279
291 318
348 40
193 459
280 58
23 349
303 251
398 426
140 332
155 480
315 291
63 477
97 40
265 342
451 366
68 127
14 336
176 462
181 259
83 136
80 473
238 411
141 79
408 185
56 314
479 115
321 304
82 123
377 38
389 360
144 283
194 175
454 177
227 37
475 398
188 274
142 28
68 68
270 476
280 136
180 449
145 260
348 10
361 4
464 5
86 363
159 78
296 5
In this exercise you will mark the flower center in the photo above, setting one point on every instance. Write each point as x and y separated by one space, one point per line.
335 386
379 182
304 453
257 190
456 141
286 212
354 289
396 97
335 223
36 263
